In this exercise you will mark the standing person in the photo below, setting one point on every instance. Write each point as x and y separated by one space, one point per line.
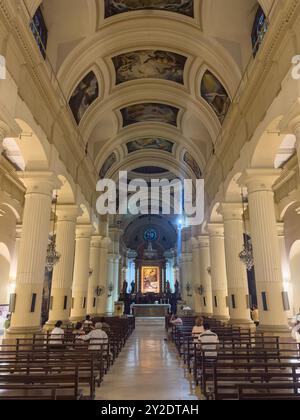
7 322
57 334
198 329
296 332
209 343
255 315
96 337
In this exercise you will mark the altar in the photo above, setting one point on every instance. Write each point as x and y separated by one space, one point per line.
150 311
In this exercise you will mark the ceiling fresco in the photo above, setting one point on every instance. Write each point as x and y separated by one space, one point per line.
86 92
154 64
110 161
115 7
151 143
215 95
150 112
190 161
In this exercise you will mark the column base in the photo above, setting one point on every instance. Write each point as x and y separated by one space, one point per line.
222 318
275 330
207 315
13 333
242 323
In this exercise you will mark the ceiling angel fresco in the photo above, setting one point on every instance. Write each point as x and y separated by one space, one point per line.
151 143
190 161
153 64
115 7
150 112
215 95
84 95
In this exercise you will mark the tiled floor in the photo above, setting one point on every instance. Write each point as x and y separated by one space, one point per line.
147 369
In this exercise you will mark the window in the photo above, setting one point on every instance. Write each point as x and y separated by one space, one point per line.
259 30
40 31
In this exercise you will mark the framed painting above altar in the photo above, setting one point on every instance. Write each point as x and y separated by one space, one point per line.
150 280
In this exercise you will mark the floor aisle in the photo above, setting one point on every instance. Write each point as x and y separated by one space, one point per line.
147 369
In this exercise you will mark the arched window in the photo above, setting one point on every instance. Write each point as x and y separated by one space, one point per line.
40 31
259 30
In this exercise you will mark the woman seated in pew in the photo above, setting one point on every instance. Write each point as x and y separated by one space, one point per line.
57 335
105 326
78 332
96 337
296 332
198 329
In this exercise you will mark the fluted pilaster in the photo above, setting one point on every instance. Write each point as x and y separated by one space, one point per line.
266 250
61 291
103 278
205 275
95 255
237 280
81 272
218 271
196 281
32 253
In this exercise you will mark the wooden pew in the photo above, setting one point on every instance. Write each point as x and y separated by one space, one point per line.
278 391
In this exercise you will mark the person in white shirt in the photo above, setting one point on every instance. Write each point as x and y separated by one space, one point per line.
209 342
175 320
198 329
96 337
296 332
88 322
57 334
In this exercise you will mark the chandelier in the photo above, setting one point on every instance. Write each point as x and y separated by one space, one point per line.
246 256
53 256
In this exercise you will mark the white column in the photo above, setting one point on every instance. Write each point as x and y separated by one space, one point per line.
95 254
14 264
113 281
187 278
4 132
266 250
102 282
205 276
237 280
196 281
297 134
218 271
81 272
285 267
26 318
61 290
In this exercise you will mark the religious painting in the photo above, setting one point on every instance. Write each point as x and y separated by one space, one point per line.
84 95
215 95
146 64
150 280
110 161
191 162
151 112
115 7
151 143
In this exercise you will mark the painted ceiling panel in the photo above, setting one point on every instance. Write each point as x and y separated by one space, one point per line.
115 7
149 112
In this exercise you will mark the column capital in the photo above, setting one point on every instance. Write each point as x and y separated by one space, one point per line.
215 229
84 231
105 242
4 132
39 182
195 243
231 211
258 180
280 228
68 212
203 241
96 241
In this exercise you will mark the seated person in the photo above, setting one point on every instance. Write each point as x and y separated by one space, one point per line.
198 329
78 331
88 322
175 320
57 334
209 343
96 337
105 326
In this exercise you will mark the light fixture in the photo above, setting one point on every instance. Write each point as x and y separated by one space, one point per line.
201 290
91 272
188 289
99 291
209 270
246 256
110 289
53 256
